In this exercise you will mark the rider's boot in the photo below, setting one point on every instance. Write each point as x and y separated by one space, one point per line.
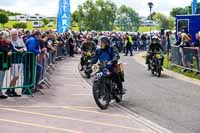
121 88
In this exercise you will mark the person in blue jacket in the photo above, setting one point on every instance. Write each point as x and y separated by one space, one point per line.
109 54
33 46
33 43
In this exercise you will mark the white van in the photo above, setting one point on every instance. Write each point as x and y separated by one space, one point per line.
38 24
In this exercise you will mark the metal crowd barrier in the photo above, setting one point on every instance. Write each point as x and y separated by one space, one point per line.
186 57
18 72
25 71
58 54
48 61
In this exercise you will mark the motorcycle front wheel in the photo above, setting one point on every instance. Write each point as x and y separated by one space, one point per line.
101 95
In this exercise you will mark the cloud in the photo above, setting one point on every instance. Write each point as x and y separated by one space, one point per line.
50 7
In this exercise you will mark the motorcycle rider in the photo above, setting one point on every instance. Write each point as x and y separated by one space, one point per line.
154 47
87 46
109 54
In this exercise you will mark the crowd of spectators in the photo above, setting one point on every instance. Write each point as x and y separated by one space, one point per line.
49 46
46 46
187 51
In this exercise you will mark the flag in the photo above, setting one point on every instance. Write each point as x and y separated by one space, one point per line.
64 16
194 7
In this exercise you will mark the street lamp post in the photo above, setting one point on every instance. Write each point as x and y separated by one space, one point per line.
150 4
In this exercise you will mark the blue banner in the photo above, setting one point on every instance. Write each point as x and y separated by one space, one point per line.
194 6
64 16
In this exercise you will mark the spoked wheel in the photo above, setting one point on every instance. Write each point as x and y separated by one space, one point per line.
101 95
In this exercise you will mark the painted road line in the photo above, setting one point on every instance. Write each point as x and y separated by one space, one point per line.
73 85
74 108
96 112
135 117
75 119
39 126
81 94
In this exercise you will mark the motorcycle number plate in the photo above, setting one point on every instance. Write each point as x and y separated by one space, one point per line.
99 75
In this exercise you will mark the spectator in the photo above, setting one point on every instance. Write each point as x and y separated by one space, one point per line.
34 47
42 60
163 39
135 44
17 66
172 38
143 42
71 44
178 42
186 56
51 47
6 50
26 36
197 45
33 43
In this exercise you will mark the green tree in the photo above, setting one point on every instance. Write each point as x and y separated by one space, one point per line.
128 19
107 14
152 15
184 10
45 21
3 18
9 13
78 17
171 23
178 11
20 25
164 21
95 15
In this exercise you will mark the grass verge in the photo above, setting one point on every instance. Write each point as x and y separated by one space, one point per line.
10 24
177 69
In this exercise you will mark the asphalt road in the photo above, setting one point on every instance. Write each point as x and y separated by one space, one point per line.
68 106
166 101
171 103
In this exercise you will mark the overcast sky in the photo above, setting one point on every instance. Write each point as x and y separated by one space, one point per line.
50 7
